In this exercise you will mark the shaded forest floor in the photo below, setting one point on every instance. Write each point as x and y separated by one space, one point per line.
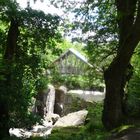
76 134
128 134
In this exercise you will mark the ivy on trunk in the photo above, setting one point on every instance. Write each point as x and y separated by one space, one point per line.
8 60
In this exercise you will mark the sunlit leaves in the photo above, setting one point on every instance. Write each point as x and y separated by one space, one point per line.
38 36
93 22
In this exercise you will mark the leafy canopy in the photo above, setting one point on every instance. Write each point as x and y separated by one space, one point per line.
38 35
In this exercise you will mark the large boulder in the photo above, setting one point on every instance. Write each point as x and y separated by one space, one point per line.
72 119
45 100
40 102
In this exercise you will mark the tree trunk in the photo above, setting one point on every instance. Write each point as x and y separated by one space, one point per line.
113 107
115 79
8 61
4 119
116 75
13 34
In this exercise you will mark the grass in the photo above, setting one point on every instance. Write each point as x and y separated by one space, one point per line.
66 133
78 133
93 130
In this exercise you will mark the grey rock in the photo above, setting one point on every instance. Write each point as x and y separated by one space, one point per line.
72 119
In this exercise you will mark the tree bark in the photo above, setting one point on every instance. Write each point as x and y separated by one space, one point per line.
12 37
115 76
8 61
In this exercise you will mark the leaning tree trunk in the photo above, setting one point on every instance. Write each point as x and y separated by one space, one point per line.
8 62
115 80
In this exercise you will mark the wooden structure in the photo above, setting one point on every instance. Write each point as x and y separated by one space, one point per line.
72 62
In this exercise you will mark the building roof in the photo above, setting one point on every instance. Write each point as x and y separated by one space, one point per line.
76 53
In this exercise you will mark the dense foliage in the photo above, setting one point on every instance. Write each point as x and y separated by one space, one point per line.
97 23
109 31
23 59
133 87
